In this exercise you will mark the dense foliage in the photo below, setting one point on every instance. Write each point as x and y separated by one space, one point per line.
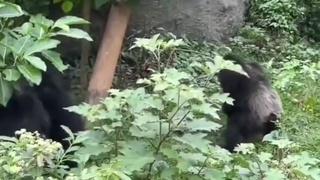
168 125
23 48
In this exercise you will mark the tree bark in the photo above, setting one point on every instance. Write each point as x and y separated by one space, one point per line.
109 52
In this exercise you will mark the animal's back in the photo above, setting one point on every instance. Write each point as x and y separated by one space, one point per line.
265 101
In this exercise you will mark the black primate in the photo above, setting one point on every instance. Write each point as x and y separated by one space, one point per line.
24 110
40 108
256 107
54 94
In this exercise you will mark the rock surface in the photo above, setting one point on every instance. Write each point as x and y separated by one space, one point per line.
210 20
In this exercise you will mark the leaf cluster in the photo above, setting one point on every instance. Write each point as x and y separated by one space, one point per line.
279 15
159 131
288 60
24 49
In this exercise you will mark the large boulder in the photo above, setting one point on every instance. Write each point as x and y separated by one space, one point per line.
210 20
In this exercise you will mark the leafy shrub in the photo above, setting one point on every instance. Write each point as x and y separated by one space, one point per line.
288 60
24 48
26 156
161 129
281 15
158 130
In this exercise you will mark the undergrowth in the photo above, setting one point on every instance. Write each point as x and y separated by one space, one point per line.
169 125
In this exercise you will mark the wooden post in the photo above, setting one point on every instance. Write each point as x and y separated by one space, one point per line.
109 52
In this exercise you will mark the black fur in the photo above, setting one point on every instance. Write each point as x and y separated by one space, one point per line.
256 105
24 110
40 108
54 95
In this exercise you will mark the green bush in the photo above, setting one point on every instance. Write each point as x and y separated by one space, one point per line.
280 15
24 48
159 131
167 127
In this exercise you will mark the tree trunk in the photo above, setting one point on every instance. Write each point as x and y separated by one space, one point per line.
109 52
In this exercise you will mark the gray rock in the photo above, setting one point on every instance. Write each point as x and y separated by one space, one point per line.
210 20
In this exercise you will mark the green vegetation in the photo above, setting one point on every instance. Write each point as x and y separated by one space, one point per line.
136 132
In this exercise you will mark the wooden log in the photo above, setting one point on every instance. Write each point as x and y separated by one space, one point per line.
109 52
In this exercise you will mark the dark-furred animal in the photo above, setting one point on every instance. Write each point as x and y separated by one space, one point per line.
40 108
256 107
24 110
53 92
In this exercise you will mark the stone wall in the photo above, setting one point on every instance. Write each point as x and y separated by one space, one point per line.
211 20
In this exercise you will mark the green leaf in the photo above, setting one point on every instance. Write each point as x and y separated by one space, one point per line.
263 156
75 33
282 143
6 91
134 162
11 74
183 165
160 86
274 174
206 108
192 93
10 10
170 153
220 63
147 131
174 76
64 27
151 44
36 62
55 59
6 138
24 29
70 20
172 95
168 173
173 43
20 45
245 148
223 98
42 21
67 6
144 81
93 150
4 48
30 73
141 119
135 155
41 45
37 31
214 174
2 64
202 125
193 158
65 21
68 131
194 140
